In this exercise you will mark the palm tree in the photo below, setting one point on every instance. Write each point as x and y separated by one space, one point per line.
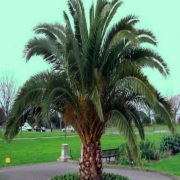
97 77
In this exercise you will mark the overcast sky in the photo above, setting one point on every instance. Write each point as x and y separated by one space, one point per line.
19 17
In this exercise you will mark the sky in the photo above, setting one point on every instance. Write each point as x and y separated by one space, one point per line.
19 17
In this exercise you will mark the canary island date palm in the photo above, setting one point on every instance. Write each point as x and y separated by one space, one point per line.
97 77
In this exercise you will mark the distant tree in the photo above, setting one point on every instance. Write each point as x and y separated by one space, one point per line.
40 123
2 116
55 120
8 90
142 114
145 110
31 120
175 103
146 121
159 120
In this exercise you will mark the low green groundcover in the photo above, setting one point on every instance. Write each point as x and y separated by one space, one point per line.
75 176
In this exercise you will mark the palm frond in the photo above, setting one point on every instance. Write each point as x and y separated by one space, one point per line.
163 110
30 96
138 53
126 23
125 126
43 47
137 121
55 32
95 97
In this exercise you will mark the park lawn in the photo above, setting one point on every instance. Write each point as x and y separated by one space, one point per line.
169 165
159 128
148 128
34 134
29 151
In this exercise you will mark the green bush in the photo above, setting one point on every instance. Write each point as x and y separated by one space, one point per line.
125 156
171 143
177 138
149 151
146 121
159 120
124 160
75 176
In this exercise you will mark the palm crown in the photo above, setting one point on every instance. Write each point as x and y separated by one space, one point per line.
97 74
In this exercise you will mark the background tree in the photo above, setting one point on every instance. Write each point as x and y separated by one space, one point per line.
145 109
97 78
55 119
2 116
8 90
31 120
159 120
175 103
146 121
142 114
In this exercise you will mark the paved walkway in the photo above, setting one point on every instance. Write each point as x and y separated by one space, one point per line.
47 170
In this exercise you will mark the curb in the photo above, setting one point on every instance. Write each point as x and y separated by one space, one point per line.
144 170
135 169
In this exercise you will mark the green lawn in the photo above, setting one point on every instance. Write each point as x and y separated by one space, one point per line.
46 150
148 128
168 165
29 151
33 134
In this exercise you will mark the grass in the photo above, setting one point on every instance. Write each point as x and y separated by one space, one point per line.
33 134
30 151
148 128
168 165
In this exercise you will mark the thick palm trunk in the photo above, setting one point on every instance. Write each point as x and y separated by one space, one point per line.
90 166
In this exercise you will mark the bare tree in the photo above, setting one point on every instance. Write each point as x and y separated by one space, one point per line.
175 103
8 90
2 116
142 108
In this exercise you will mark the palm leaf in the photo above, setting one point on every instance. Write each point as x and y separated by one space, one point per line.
126 128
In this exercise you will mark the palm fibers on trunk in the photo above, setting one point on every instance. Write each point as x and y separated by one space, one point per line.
90 166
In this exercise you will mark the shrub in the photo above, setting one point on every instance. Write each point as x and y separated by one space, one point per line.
177 138
171 143
146 120
125 156
75 176
159 120
124 160
149 151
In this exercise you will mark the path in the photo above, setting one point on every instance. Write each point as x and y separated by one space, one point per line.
15 139
47 170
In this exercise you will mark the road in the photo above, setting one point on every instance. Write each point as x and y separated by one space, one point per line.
47 170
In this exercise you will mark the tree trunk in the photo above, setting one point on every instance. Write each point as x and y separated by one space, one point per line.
90 166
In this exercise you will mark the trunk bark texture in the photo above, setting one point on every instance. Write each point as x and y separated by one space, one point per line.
90 166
